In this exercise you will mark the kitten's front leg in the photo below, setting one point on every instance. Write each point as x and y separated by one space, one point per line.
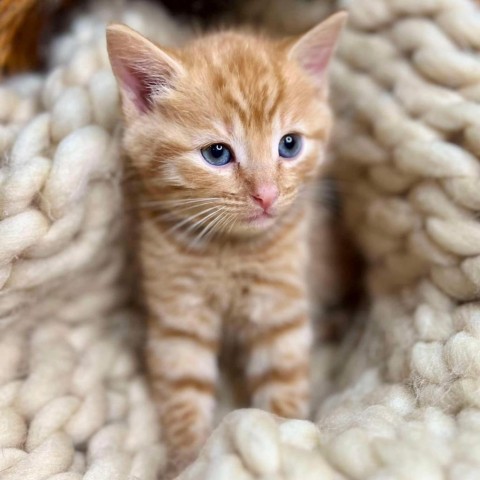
182 365
278 343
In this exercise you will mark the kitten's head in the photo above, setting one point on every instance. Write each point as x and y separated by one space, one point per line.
227 133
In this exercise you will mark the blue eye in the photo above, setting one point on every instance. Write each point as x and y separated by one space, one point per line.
217 154
290 145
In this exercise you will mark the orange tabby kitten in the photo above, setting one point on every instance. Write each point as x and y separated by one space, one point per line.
225 137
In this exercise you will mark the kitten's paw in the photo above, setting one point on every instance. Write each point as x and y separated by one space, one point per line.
186 423
185 437
177 463
289 401
181 456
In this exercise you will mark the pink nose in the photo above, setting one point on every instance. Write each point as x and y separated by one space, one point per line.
265 196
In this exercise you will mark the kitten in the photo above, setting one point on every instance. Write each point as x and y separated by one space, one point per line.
226 137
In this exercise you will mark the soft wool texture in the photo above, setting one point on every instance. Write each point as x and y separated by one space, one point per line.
72 404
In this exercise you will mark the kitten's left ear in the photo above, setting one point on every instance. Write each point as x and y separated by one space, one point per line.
315 49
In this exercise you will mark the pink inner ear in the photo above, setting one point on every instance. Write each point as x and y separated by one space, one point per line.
316 60
141 82
138 87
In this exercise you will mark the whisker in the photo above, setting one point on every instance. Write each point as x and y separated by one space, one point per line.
226 218
210 233
206 228
207 220
201 221
189 219
218 230
174 212
233 222
181 202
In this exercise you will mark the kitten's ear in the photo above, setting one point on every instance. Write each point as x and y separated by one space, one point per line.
142 69
314 49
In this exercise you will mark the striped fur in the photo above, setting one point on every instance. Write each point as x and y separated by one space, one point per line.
207 268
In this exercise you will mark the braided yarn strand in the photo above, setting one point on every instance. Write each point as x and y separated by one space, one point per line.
73 404
406 88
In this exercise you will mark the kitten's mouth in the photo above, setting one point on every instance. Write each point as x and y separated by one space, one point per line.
260 218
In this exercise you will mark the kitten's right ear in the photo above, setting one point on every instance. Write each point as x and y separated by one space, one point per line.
314 50
143 70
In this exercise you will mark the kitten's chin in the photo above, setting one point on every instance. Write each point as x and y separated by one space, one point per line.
261 220
255 225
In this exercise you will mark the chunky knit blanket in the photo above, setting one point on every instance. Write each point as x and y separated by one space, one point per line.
403 397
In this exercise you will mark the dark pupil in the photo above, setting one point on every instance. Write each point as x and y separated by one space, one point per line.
289 142
217 150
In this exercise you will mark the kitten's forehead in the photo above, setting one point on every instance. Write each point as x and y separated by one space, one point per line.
246 79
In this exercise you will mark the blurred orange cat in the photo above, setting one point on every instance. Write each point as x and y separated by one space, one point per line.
226 138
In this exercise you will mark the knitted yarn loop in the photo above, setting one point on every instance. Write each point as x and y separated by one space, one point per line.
73 404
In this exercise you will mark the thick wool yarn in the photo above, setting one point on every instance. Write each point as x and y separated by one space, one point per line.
405 406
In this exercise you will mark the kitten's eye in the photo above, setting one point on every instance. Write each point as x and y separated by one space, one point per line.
217 154
290 145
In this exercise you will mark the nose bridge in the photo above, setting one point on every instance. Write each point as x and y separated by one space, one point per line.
262 169
261 173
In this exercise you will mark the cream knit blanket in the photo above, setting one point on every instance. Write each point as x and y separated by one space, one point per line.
406 405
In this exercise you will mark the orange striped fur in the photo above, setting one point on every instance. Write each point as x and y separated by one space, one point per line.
212 260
